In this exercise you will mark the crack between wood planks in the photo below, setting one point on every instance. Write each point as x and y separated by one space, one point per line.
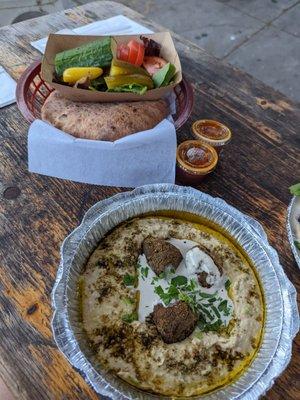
85 196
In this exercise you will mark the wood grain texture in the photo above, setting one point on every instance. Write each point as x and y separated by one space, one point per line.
37 212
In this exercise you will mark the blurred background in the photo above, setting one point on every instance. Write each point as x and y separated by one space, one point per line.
261 37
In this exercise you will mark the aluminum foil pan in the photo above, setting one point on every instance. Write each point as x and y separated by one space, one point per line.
292 220
282 318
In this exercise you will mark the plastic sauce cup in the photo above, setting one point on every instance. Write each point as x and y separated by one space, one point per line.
194 160
211 132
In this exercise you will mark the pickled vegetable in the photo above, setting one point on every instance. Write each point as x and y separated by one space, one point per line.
94 54
72 75
120 80
124 68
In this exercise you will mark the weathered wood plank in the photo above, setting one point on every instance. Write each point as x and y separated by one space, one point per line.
254 174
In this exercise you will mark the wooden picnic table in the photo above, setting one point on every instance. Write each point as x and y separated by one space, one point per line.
37 212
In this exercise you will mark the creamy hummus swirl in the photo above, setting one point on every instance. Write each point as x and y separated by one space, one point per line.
115 301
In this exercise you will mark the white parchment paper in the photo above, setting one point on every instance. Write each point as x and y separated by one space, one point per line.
139 159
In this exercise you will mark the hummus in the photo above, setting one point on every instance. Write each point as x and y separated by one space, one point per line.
119 293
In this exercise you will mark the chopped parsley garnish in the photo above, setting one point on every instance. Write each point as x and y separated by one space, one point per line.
204 311
128 300
214 327
224 308
210 308
185 297
179 280
201 324
160 291
129 280
223 305
211 300
130 317
155 279
144 272
192 284
295 189
161 275
214 308
297 244
207 295
227 284
198 335
171 293
205 327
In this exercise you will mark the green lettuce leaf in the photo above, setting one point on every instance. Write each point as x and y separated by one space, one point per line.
163 76
132 88
295 189
98 84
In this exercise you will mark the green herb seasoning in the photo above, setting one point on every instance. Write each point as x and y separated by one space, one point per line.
227 284
144 272
129 280
198 335
207 295
129 301
179 281
130 317
210 307
216 311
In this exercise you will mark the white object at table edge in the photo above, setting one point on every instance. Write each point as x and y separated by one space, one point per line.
118 25
8 88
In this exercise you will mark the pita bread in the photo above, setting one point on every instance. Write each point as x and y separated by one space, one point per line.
102 121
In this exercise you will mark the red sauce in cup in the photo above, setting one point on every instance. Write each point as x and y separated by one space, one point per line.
195 160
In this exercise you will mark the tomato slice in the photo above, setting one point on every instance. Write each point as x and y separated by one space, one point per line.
133 52
136 52
140 56
123 52
153 64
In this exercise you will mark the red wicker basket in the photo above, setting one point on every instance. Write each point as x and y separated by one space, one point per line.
32 91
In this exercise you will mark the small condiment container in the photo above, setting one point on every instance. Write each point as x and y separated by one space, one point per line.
211 132
194 160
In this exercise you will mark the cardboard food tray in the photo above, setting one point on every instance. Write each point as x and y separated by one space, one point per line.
58 43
